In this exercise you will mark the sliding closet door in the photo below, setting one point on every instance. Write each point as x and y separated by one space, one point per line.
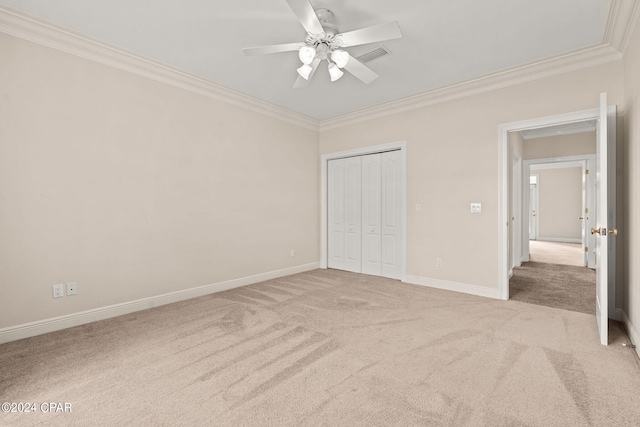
371 214
392 236
344 216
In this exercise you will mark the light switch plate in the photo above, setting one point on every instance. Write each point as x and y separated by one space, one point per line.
476 207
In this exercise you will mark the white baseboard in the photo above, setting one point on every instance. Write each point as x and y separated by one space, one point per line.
510 273
31 329
633 332
454 286
558 240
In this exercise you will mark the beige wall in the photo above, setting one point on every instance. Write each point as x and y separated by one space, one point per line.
452 151
560 146
631 178
134 188
560 203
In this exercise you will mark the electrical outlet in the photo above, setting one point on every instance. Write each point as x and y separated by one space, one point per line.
293 253
72 288
58 291
438 262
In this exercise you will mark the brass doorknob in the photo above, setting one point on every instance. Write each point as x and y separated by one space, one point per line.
613 231
581 218
594 231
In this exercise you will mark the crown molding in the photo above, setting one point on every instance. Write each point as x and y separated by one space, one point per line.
621 21
612 19
20 25
549 67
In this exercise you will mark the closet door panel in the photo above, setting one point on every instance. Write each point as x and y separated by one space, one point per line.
391 215
371 213
336 220
353 214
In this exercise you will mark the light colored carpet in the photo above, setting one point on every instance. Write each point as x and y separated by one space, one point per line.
328 348
556 252
554 285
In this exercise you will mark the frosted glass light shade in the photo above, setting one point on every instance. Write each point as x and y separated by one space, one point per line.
340 57
306 54
335 72
305 71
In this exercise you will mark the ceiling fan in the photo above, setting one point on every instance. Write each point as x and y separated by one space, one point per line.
325 42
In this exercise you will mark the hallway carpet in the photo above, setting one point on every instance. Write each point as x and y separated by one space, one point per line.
561 286
328 348
556 252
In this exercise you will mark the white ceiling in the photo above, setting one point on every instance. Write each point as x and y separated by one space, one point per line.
444 41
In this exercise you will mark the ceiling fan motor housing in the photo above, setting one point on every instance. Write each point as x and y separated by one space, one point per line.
327 20
327 42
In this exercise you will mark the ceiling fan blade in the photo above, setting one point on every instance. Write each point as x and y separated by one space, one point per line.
376 33
306 15
275 48
361 71
302 82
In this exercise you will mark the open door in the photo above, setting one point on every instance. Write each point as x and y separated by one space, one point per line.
533 208
584 222
605 216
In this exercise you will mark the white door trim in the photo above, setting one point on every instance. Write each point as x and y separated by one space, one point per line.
503 181
399 145
516 211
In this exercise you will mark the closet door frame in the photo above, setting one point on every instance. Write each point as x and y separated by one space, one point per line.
398 145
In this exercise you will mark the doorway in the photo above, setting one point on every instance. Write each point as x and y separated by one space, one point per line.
555 196
560 197
605 200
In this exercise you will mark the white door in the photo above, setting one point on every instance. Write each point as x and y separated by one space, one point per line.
344 214
590 212
605 217
353 215
583 217
533 211
371 214
392 199
335 218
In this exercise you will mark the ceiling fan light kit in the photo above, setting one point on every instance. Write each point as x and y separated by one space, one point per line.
324 42
340 57
306 54
305 71
335 72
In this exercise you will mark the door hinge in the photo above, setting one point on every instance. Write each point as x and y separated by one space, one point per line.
586 210
586 172
586 249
